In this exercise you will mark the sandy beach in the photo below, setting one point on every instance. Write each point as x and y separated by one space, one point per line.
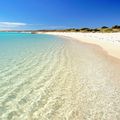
47 77
60 60
110 42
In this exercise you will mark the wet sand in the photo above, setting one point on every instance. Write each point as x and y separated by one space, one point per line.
96 92
88 86
110 42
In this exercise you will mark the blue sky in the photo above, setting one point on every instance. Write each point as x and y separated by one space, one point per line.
58 14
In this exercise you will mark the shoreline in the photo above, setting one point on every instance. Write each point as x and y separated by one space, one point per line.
109 42
61 76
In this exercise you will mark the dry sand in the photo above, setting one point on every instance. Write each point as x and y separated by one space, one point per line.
110 42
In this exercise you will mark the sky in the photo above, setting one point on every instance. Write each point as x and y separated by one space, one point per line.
58 14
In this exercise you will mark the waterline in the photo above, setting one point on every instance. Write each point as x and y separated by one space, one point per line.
50 78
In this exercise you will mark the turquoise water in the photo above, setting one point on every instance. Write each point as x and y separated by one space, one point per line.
24 59
15 45
44 77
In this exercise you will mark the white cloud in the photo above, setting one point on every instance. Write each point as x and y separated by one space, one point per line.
11 24
20 25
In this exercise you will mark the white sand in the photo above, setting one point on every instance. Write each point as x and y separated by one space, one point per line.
110 42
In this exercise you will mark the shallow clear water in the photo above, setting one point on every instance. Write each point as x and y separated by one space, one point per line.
44 77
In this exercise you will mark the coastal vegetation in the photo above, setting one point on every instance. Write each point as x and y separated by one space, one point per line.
103 29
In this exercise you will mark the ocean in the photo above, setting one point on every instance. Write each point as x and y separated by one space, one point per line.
45 77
